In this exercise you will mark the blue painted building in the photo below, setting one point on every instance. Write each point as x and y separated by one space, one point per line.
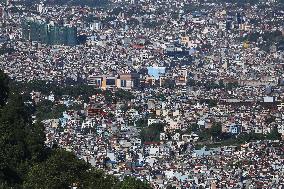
156 71
234 129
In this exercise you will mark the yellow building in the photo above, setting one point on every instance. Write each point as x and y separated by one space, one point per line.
246 45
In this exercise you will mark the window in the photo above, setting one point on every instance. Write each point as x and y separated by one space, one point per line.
98 82
110 81
123 83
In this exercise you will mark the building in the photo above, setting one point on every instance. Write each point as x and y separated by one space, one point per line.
128 81
122 81
49 33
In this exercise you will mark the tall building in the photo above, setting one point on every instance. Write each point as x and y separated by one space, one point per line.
50 34
1 11
71 36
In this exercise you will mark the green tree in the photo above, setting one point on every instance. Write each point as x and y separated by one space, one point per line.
270 119
26 163
274 134
4 87
211 102
4 49
132 183
47 110
61 170
152 133
193 128
216 130
35 142
141 122
204 135
171 187
124 95
108 96
19 141
247 137
232 85
94 178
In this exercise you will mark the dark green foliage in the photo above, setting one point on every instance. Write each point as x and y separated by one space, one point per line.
239 139
117 10
270 119
274 134
35 142
175 15
124 108
152 133
269 38
108 96
193 128
204 135
132 183
207 85
212 85
82 39
141 122
124 95
133 22
81 91
47 110
252 37
61 170
216 130
4 88
247 137
26 163
169 83
4 50
211 103
21 141
160 96
94 178
171 187
230 86
140 108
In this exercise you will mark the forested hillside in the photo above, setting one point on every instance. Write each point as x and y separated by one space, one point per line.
26 163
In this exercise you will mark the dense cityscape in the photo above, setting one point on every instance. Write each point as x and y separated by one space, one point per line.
137 94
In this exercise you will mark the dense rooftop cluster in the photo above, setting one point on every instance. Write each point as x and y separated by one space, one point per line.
179 94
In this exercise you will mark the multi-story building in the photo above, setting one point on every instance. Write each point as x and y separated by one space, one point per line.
123 81
49 33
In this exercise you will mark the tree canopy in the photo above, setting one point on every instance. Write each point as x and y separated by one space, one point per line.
274 134
26 163
152 133
4 89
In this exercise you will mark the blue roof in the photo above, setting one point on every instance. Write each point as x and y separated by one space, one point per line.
156 72
203 152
